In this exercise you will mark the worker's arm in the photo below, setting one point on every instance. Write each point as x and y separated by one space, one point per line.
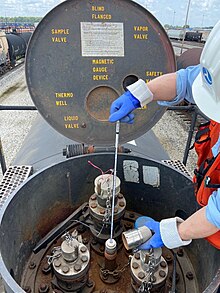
174 232
163 88
196 226
168 89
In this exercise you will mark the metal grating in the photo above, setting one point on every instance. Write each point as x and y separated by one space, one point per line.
177 165
12 178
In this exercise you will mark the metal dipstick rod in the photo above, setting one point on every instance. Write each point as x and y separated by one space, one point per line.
114 176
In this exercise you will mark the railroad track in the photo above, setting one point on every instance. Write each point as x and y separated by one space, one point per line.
19 63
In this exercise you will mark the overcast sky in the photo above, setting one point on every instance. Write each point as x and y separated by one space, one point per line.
202 12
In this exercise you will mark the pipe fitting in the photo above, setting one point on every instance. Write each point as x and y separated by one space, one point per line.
135 237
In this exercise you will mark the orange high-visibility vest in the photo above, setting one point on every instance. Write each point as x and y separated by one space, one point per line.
207 173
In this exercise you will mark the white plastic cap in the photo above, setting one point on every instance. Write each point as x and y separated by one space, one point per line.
206 87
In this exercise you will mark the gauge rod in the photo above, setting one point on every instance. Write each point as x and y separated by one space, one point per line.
114 177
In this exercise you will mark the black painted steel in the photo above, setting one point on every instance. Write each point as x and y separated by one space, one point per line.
17 45
80 57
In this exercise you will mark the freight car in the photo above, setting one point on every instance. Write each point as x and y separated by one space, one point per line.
55 227
12 47
194 36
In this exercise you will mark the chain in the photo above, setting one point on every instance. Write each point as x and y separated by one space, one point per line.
56 253
107 215
147 284
116 272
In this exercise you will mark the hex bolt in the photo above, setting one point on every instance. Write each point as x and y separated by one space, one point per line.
137 255
44 288
83 249
27 289
189 275
93 205
180 252
77 267
90 283
46 269
135 265
128 225
162 274
93 197
163 264
121 204
57 263
141 275
32 265
102 211
168 258
85 241
65 269
84 258
120 196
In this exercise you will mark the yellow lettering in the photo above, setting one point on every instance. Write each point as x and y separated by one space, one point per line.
102 16
99 69
140 36
71 118
64 95
60 31
141 28
98 8
100 77
103 61
71 126
61 103
154 73
59 40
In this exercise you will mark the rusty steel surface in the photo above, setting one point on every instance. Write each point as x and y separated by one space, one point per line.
38 274
82 56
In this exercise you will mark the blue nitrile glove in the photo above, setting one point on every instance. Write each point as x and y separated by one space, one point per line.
155 241
122 107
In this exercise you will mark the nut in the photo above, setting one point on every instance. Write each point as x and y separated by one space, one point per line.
141 275
135 265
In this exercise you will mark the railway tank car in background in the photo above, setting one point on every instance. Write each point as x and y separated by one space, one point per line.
12 47
54 226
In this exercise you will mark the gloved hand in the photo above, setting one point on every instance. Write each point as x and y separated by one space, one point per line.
155 241
122 107
165 233
138 95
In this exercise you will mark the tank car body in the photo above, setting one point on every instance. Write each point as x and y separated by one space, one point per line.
12 47
193 36
55 225
175 34
4 53
17 44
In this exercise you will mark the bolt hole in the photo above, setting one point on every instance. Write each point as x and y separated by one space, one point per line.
129 80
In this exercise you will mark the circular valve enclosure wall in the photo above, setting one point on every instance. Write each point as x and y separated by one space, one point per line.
82 56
